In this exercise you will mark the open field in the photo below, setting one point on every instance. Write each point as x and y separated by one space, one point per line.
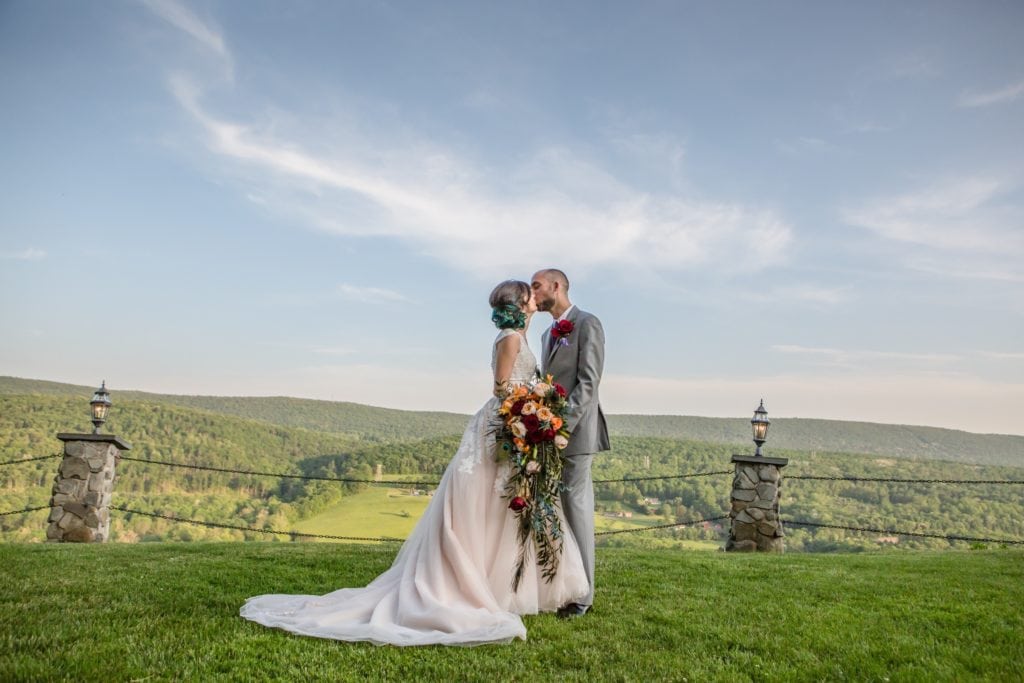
393 512
168 611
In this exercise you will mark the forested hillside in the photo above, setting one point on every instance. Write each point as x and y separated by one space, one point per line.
186 435
384 424
895 441
367 422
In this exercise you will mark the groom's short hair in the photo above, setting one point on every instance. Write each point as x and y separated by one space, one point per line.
558 276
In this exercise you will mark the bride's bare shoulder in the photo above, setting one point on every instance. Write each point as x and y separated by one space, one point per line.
508 339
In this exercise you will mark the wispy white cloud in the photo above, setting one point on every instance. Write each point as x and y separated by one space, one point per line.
999 355
1002 95
848 357
964 402
213 50
553 203
185 20
661 150
369 295
964 214
805 293
965 269
30 254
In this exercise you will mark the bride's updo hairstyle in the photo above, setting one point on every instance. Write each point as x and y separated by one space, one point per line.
507 301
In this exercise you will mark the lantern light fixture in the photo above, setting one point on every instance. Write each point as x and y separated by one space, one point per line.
100 404
759 424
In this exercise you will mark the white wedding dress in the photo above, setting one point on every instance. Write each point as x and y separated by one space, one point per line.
451 583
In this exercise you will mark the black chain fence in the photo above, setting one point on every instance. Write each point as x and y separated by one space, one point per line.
660 526
902 533
907 481
18 512
351 480
218 525
282 475
38 457
400 482
666 476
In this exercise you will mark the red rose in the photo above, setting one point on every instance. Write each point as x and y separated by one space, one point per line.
531 422
562 328
517 504
534 437
549 434
517 407
560 390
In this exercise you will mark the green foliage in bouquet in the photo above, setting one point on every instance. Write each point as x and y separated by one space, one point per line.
531 436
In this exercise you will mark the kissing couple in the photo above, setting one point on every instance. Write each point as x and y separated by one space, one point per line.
452 580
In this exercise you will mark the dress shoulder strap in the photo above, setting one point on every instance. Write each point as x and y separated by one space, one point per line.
507 332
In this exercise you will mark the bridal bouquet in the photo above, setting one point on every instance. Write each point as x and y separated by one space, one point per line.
531 435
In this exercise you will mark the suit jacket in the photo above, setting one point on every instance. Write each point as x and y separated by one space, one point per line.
577 366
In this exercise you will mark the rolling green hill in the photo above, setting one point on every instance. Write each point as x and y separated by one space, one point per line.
384 424
355 419
160 431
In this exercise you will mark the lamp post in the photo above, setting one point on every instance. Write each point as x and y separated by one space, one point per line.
760 423
756 489
80 501
100 404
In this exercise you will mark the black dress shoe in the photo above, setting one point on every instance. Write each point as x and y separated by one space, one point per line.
572 610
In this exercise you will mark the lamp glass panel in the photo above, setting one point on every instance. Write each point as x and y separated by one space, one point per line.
99 411
760 430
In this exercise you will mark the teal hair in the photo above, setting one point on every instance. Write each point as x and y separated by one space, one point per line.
508 316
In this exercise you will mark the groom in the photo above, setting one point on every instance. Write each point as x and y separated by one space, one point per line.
574 354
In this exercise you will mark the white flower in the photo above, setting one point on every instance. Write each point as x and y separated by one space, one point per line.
529 408
561 442
518 428
532 467
541 388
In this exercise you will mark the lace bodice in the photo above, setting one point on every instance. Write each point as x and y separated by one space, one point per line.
525 367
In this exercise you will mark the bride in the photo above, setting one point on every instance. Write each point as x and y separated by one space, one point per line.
451 583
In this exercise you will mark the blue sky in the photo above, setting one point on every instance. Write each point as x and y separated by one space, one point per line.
817 203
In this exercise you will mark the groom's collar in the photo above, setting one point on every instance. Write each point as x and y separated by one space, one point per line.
565 314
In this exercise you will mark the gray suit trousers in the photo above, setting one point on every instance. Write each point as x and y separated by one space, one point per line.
578 506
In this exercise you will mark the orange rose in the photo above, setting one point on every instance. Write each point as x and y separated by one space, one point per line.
556 423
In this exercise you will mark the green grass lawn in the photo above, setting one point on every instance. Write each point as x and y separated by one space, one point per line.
169 611
393 512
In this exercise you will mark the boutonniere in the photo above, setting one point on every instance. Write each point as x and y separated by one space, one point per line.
561 330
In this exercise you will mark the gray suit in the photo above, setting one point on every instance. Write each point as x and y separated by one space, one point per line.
577 366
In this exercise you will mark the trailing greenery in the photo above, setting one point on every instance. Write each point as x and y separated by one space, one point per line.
384 424
163 612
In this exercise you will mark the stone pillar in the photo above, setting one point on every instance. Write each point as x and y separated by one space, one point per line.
79 507
755 504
